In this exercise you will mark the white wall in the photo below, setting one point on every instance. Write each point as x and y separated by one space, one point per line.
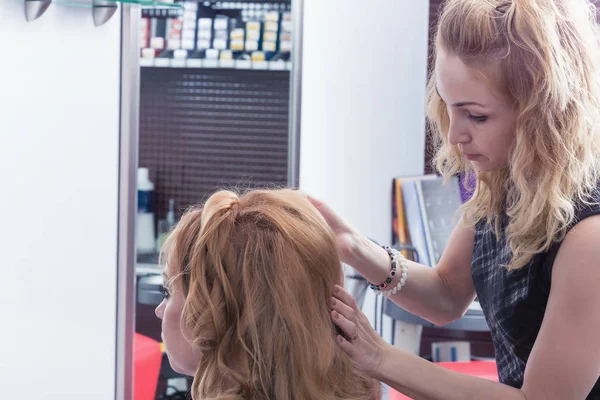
59 142
363 89
364 68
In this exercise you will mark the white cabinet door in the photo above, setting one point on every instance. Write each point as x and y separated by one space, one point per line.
59 179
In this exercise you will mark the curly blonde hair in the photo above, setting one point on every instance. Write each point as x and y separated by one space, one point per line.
257 273
548 55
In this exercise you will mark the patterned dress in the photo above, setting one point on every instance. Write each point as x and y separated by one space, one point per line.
514 302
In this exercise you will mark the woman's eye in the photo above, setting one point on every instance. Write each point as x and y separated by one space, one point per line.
163 291
478 118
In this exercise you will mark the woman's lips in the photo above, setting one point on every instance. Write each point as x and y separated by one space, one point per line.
471 157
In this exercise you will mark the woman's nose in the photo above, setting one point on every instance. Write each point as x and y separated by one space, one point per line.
159 311
458 134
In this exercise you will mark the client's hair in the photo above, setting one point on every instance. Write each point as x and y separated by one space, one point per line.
257 273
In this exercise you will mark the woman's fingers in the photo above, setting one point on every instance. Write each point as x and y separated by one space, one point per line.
344 296
343 312
343 309
347 346
315 202
330 216
359 340
347 326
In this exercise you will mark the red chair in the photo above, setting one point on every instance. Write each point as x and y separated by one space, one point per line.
147 358
481 369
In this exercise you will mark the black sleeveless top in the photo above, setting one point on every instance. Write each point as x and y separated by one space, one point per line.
514 302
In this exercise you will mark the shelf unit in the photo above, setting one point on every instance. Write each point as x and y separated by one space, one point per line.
147 4
220 64
206 124
102 10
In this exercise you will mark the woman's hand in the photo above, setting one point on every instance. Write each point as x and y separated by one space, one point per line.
364 345
350 242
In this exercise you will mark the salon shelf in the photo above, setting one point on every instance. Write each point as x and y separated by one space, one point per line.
222 64
472 320
148 264
143 3
152 4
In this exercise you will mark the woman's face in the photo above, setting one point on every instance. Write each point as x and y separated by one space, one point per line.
482 121
184 357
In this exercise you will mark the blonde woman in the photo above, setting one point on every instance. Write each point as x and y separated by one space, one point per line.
247 280
514 97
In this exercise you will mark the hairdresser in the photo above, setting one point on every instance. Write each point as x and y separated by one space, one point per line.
514 99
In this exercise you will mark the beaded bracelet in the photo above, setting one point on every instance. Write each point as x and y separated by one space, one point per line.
396 257
392 253
401 283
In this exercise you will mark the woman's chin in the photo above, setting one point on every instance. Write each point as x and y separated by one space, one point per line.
480 166
179 369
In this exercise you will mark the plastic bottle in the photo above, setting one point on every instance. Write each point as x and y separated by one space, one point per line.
145 237
165 226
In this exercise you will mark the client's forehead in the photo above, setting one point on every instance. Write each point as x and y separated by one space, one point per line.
168 272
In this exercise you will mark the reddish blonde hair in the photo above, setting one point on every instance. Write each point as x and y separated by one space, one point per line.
257 273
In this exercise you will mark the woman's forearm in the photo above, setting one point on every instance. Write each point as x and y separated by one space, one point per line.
423 380
425 294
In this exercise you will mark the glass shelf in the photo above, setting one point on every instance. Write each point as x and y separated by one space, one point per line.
143 3
102 10
163 62
148 3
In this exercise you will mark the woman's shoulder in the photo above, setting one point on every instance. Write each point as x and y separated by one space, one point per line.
583 211
588 207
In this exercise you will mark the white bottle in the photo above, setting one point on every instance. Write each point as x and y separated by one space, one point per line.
145 237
